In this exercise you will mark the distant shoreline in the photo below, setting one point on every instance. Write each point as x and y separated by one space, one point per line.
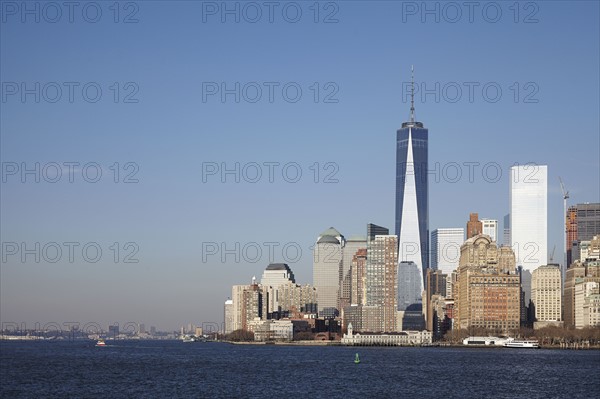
441 345
303 343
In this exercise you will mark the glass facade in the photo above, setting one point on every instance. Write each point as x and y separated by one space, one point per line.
412 201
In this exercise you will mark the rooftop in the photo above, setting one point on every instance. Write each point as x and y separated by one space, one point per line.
278 266
328 240
331 232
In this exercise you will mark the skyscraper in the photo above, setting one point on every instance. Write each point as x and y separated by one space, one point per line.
546 294
276 274
445 249
248 302
382 277
487 292
228 328
412 202
588 221
582 224
352 245
571 230
359 272
506 235
529 215
375 269
327 270
409 286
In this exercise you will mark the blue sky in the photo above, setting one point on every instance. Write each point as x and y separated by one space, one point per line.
359 64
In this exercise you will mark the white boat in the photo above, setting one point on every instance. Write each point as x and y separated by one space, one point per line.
100 342
484 341
521 343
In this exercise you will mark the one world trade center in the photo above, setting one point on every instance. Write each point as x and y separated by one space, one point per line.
412 205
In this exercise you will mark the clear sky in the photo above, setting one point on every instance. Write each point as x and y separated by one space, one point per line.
162 117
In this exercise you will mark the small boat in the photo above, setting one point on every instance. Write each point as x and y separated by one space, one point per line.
356 359
100 342
187 338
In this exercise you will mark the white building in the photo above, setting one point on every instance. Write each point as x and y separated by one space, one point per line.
282 330
490 227
445 248
591 311
228 316
267 330
277 274
529 215
403 338
586 300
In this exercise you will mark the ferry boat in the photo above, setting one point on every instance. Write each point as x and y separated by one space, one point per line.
100 342
485 341
519 343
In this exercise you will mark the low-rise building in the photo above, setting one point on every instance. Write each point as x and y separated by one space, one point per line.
269 330
403 338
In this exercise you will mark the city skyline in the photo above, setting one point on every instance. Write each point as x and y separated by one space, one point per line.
179 194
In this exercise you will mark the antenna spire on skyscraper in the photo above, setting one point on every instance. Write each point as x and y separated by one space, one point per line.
412 94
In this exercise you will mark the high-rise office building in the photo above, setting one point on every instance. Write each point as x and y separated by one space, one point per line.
412 202
571 230
506 233
582 224
410 289
588 221
546 294
490 227
474 225
328 270
276 274
529 215
445 249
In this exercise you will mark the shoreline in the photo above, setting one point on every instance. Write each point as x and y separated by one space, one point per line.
323 343
435 345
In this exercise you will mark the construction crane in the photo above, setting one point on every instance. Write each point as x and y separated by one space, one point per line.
565 194
552 254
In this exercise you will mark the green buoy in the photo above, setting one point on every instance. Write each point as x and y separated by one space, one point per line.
356 359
